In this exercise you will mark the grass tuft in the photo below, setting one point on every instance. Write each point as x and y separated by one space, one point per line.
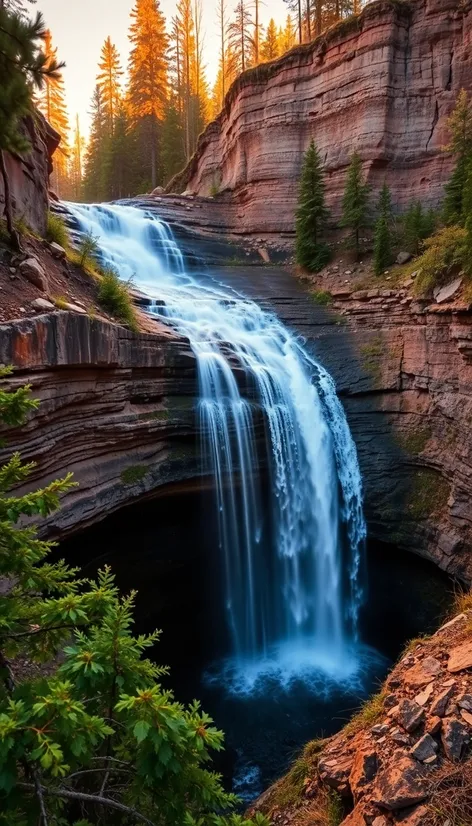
321 297
370 713
60 302
114 297
56 231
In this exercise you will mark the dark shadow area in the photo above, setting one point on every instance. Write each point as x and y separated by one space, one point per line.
167 549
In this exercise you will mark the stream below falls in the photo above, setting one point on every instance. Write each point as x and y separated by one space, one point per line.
275 632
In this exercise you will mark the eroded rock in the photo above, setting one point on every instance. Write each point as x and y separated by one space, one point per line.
454 738
34 272
400 785
460 658
410 715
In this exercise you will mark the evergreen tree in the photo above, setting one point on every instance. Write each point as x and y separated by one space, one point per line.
95 173
23 67
147 93
109 82
20 7
460 146
355 201
193 92
240 37
52 103
383 235
417 226
467 207
270 45
173 142
288 36
120 162
311 251
76 162
100 736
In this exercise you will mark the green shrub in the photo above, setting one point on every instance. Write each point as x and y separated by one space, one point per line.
56 231
321 297
88 250
443 258
98 736
417 226
114 297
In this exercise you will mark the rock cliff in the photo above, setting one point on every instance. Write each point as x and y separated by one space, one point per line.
116 410
405 758
29 175
383 84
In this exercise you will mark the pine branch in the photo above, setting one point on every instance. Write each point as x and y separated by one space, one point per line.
66 794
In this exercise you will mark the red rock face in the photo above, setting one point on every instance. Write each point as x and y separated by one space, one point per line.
383 85
29 176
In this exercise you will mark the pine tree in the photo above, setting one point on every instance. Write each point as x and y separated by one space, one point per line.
20 7
94 184
193 92
100 736
23 67
355 201
270 45
120 161
288 37
147 93
460 146
418 225
76 162
240 37
467 209
109 82
52 103
311 251
383 235
173 142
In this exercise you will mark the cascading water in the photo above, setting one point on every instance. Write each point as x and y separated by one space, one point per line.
292 569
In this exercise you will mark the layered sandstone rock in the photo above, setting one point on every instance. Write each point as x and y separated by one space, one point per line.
383 84
29 174
116 410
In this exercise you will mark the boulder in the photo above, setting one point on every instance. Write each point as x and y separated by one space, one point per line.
57 251
448 292
335 771
74 308
364 769
159 190
418 816
399 785
404 257
467 717
425 749
34 272
465 702
410 715
422 672
433 725
263 252
42 305
439 705
460 658
455 738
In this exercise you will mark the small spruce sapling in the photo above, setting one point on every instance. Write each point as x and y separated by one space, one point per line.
355 201
311 251
383 232
460 146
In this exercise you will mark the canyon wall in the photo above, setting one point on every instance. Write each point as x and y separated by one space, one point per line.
383 84
116 410
29 174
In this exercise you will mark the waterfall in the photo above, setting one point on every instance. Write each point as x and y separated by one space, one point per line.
292 557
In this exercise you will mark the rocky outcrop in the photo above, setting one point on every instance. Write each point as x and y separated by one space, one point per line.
29 174
406 757
116 410
383 84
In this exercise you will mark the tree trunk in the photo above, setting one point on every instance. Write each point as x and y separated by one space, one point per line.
319 17
308 19
256 39
300 22
14 236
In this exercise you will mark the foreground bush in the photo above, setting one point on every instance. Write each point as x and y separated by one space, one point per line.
444 257
101 740
114 297
56 231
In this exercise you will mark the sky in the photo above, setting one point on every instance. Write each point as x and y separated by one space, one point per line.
79 28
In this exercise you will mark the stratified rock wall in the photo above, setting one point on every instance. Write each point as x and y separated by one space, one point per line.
383 85
29 174
116 410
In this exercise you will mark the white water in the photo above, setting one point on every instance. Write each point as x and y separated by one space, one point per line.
291 559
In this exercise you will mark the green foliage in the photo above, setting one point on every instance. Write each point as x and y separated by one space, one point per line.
417 226
321 297
312 253
355 201
88 250
113 295
370 713
383 233
443 258
460 145
56 231
101 737
23 67
134 474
